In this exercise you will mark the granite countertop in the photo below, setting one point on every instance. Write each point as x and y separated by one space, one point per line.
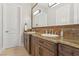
70 42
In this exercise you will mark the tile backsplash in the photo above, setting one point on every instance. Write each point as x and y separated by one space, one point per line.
69 31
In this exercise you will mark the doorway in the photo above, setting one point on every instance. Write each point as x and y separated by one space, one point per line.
10 25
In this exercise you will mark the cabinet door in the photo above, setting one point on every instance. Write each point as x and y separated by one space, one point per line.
65 50
28 42
75 52
32 45
36 50
36 46
44 51
27 39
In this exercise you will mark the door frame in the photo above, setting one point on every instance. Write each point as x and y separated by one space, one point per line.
20 18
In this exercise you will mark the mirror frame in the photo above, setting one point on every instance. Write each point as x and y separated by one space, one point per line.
32 14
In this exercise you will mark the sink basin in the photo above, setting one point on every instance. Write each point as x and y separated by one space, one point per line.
31 32
50 35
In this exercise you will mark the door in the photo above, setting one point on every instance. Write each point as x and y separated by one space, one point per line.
11 25
1 17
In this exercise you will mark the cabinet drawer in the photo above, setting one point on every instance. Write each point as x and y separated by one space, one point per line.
50 45
41 41
37 40
65 49
45 52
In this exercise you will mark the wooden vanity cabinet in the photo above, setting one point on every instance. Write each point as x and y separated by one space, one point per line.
37 46
27 39
44 51
33 45
47 48
75 51
42 47
66 50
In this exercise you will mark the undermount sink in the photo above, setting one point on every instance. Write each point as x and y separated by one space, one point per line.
31 32
50 35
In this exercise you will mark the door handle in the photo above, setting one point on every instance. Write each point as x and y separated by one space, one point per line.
6 31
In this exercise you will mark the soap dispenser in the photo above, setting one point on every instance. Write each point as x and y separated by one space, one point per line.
25 28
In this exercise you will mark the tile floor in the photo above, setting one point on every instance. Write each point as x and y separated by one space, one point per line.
17 51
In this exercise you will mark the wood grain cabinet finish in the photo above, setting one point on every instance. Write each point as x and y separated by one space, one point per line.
75 52
44 51
32 45
42 47
27 39
51 46
65 50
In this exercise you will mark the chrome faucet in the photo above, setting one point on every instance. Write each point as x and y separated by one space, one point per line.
61 33
46 32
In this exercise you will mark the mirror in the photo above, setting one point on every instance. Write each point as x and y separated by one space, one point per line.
52 14
40 17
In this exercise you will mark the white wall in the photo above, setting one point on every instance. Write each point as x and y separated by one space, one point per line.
26 17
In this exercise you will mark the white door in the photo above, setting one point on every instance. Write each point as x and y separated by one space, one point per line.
1 17
11 25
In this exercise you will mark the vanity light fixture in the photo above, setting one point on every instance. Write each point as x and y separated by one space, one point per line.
52 4
37 12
